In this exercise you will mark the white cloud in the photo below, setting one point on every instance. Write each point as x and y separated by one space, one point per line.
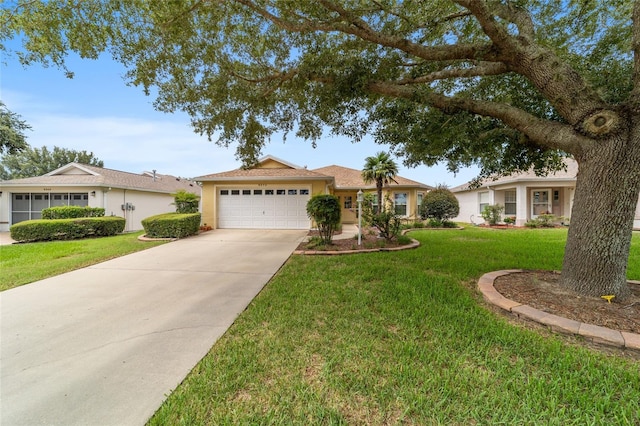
133 145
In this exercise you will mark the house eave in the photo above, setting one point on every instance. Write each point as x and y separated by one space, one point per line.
541 182
265 179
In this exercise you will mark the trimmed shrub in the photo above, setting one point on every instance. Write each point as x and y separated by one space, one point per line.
171 225
66 229
439 204
543 221
71 212
325 210
493 213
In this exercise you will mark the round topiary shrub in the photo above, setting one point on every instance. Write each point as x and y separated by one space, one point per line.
439 204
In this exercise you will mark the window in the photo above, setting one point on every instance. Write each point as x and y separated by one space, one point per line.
268 192
419 199
246 192
374 202
257 192
483 198
293 192
400 203
304 192
348 202
224 192
235 192
510 202
281 191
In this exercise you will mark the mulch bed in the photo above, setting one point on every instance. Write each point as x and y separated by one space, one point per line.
542 290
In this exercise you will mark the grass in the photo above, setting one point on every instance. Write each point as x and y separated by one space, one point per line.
403 338
25 263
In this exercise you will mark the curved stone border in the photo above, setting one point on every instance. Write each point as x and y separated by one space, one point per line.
594 333
145 238
414 244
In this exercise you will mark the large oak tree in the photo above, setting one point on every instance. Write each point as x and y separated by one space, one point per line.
505 84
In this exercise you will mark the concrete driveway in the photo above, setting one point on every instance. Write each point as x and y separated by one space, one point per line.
104 345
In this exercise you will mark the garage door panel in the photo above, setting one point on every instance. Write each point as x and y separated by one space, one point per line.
285 208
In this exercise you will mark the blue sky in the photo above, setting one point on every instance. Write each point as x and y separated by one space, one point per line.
96 111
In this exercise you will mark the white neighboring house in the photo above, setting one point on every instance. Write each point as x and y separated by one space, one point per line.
129 195
524 196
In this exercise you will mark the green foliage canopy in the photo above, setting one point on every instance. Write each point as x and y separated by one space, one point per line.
498 84
32 162
12 127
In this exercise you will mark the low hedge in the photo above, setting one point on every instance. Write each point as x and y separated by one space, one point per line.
67 229
70 212
171 225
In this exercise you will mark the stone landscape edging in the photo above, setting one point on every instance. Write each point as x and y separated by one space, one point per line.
594 333
414 244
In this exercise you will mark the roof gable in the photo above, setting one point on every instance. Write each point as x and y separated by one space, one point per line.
75 174
73 169
273 168
267 168
271 162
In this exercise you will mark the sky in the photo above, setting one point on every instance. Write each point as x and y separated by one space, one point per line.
96 111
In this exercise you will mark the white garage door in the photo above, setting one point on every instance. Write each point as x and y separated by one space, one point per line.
278 208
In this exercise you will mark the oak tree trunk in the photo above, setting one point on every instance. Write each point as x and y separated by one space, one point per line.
606 196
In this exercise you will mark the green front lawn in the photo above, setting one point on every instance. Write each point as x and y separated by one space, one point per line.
404 338
25 263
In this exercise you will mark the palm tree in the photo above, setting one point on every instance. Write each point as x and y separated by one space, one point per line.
382 170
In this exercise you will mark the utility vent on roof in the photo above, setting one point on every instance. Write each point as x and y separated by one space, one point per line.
153 175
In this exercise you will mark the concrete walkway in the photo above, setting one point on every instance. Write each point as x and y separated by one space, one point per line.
5 238
104 345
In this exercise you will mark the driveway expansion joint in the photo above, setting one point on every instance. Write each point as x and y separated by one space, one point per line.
594 333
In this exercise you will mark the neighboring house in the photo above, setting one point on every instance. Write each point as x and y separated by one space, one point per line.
274 194
524 196
128 195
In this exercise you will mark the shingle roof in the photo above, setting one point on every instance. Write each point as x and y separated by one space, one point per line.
344 177
75 174
566 175
347 178
283 173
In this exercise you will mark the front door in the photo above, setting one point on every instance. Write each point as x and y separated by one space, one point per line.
540 202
